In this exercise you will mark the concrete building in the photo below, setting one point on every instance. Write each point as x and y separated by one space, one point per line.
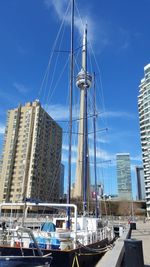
31 155
144 119
140 183
124 176
100 191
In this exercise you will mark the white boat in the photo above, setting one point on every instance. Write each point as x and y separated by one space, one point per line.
85 242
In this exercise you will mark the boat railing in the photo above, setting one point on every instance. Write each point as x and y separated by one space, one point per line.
86 237
16 237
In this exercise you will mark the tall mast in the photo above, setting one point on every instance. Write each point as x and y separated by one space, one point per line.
95 170
83 81
70 112
85 133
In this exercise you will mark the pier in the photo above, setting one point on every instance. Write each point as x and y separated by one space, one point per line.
116 256
142 232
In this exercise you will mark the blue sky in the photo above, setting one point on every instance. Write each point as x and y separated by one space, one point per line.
119 36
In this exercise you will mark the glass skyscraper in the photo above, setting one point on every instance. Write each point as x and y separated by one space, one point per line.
124 176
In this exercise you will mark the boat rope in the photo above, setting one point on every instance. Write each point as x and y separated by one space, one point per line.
49 97
98 250
46 75
75 260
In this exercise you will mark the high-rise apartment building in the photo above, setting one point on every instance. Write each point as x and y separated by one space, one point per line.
144 118
31 155
140 183
124 176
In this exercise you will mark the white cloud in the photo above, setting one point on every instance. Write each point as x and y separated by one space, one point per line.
137 158
57 111
65 158
60 112
2 129
101 154
66 148
108 34
118 114
101 140
21 88
60 7
65 153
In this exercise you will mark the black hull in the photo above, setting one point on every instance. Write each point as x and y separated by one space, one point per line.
24 261
86 257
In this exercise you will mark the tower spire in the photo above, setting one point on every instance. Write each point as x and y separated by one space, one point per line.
83 82
84 50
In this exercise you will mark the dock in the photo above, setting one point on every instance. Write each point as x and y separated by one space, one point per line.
115 257
142 232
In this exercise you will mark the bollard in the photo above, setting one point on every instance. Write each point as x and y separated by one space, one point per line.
132 225
133 253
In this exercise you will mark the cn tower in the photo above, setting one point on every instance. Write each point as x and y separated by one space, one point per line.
83 82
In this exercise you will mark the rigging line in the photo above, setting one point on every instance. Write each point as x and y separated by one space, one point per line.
77 65
102 98
78 119
76 7
55 178
88 132
46 81
91 66
55 42
49 63
99 71
105 121
77 60
68 51
49 96
93 76
77 56
58 80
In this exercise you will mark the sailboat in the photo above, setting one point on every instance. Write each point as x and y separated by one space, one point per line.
86 239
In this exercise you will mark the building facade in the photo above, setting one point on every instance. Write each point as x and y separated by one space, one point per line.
31 155
124 176
140 183
144 119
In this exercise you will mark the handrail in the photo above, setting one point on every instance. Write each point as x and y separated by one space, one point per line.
41 205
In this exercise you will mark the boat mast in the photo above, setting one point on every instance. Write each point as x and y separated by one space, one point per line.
70 112
95 170
85 123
